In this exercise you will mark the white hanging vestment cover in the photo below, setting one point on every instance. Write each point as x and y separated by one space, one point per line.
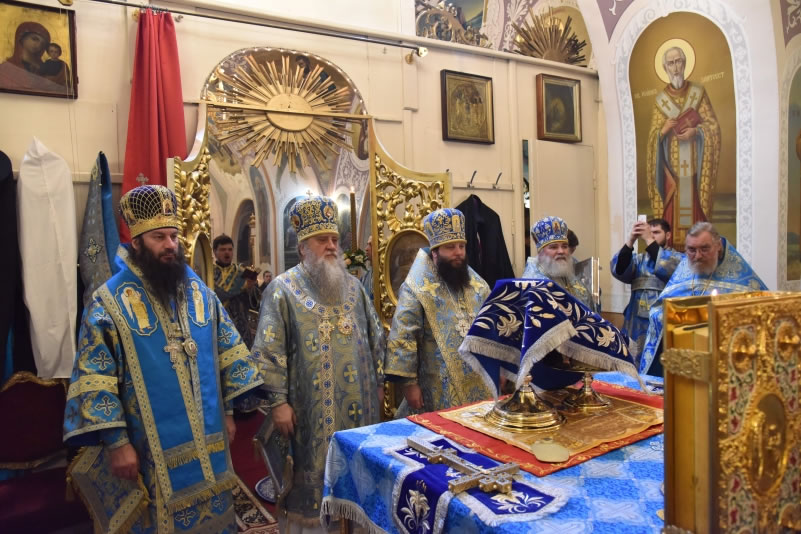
48 244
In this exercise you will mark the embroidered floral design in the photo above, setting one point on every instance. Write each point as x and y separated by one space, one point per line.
508 325
415 513
517 502
452 473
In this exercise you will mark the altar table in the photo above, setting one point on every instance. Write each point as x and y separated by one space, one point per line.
619 492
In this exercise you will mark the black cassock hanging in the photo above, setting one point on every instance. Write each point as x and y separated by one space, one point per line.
486 248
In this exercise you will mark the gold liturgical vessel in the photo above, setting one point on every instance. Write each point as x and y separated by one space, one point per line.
585 398
525 411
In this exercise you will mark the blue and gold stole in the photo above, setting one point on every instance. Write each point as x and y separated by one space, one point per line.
228 278
99 237
443 315
176 384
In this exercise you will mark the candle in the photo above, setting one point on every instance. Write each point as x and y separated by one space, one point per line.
353 243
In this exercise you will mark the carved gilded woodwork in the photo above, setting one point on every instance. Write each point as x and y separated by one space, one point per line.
283 104
733 440
443 24
544 36
401 198
687 363
191 182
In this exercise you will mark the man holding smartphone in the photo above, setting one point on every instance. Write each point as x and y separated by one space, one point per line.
646 272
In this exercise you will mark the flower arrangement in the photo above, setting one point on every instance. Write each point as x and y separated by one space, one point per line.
355 259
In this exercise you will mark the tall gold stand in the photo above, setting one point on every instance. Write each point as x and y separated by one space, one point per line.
586 398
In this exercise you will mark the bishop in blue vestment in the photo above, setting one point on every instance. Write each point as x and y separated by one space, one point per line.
554 259
158 366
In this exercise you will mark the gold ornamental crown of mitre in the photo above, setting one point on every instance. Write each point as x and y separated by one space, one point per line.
443 226
314 215
149 207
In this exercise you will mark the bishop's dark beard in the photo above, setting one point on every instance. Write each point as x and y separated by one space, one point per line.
163 278
457 278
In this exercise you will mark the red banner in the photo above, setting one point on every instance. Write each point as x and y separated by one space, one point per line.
156 120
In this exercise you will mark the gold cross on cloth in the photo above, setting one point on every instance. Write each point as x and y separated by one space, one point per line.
498 478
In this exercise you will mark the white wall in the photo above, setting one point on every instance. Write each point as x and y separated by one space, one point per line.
405 99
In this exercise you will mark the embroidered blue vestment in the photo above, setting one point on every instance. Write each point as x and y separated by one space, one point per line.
163 380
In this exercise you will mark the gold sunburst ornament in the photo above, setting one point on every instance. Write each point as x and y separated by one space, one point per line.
287 106
544 36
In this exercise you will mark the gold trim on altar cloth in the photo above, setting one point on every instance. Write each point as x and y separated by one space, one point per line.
582 430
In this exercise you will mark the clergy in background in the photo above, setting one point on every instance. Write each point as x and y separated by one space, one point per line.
235 286
437 304
554 260
711 264
647 273
321 345
158 366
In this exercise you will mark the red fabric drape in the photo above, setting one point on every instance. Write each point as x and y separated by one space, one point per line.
156 122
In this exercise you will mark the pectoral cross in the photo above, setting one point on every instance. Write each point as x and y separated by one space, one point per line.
498 478
174 348
463 326
325 328
142 179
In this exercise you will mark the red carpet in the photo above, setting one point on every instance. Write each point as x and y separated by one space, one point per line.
247 464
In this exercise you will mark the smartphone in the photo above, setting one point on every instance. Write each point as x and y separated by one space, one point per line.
642 218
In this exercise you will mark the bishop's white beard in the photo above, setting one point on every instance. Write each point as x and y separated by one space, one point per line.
554 268
328 274
677 81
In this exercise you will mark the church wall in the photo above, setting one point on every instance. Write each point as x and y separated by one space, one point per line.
745 24
404 98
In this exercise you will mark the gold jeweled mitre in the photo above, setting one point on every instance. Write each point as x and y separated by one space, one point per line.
149 207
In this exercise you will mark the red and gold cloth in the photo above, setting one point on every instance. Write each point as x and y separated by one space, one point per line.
504 452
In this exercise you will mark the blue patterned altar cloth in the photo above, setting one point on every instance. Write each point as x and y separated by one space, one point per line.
617 493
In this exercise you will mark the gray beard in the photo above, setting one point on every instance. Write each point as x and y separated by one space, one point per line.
327 275
677 81
702 269
556 269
